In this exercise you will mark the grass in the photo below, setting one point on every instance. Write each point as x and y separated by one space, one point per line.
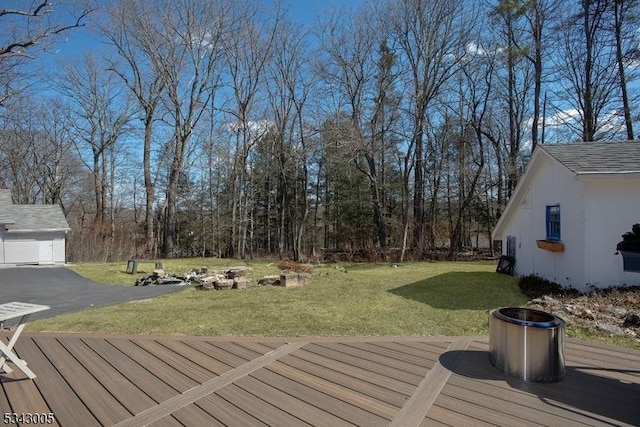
425 299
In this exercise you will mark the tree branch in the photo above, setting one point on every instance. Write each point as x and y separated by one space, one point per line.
17 47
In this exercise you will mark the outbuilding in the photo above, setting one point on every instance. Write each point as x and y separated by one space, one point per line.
569 211
31 234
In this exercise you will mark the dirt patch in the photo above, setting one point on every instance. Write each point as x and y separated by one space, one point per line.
611 311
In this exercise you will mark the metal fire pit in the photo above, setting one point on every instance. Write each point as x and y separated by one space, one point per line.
527 343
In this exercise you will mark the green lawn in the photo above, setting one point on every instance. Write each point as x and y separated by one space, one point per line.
443 298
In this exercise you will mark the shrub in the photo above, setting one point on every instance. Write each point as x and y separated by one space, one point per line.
535 286
296 267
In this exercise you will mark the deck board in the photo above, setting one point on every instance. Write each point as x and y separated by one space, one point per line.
138 374
219 354
195 415
395 353
99 379
384 395
171 354
305 411
111 379
365 363
258 408
56 391
358 372
325 402
157 374
196 352
368 353
25 398
239 351
102 404
485 407
227 413
259 347
347 395
168 421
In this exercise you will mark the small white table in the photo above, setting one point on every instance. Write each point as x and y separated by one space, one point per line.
13 310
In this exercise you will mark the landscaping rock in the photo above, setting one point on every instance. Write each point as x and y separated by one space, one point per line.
289 280
620 312
207 286
610 329
269 280
612 311
223 284
294 280
632 320
204 279
241 283
234 272
169 281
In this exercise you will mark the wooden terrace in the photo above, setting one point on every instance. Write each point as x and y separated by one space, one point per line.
90 379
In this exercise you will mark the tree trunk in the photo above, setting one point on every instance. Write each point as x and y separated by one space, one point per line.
621 73
418 190
150 246
378 216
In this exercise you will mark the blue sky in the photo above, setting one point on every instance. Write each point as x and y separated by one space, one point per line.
302 11
305 11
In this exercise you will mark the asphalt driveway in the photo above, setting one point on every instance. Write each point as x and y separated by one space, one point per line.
66 291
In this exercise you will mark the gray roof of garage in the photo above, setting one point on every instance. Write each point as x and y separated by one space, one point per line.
30 217
597 157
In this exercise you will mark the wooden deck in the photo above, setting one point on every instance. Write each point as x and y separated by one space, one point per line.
87 380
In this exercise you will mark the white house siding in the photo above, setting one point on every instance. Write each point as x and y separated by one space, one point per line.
612 206
34 248
597 186
59 248
521 227
551 184
565 268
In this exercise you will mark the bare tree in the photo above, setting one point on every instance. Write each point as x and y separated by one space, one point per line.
432 37
625 18
128 30
26 31
171 53
347 67
470 128
38 158
539 15
185 48
587 69
99 116
360 65
288 85
518 78
248 48
56 161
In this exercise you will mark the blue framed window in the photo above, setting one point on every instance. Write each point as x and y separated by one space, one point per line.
553 223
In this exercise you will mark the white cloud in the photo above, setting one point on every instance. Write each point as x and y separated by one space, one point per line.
474 49
562 117
256 129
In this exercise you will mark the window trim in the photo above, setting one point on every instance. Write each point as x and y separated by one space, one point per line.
554 232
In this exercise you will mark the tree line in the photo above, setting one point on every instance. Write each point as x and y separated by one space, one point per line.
397 129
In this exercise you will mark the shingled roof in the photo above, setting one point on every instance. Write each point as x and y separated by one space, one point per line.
30 217
589 160
597 157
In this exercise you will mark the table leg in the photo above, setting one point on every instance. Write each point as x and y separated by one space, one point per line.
7 351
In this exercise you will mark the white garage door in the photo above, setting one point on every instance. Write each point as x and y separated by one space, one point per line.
30 248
